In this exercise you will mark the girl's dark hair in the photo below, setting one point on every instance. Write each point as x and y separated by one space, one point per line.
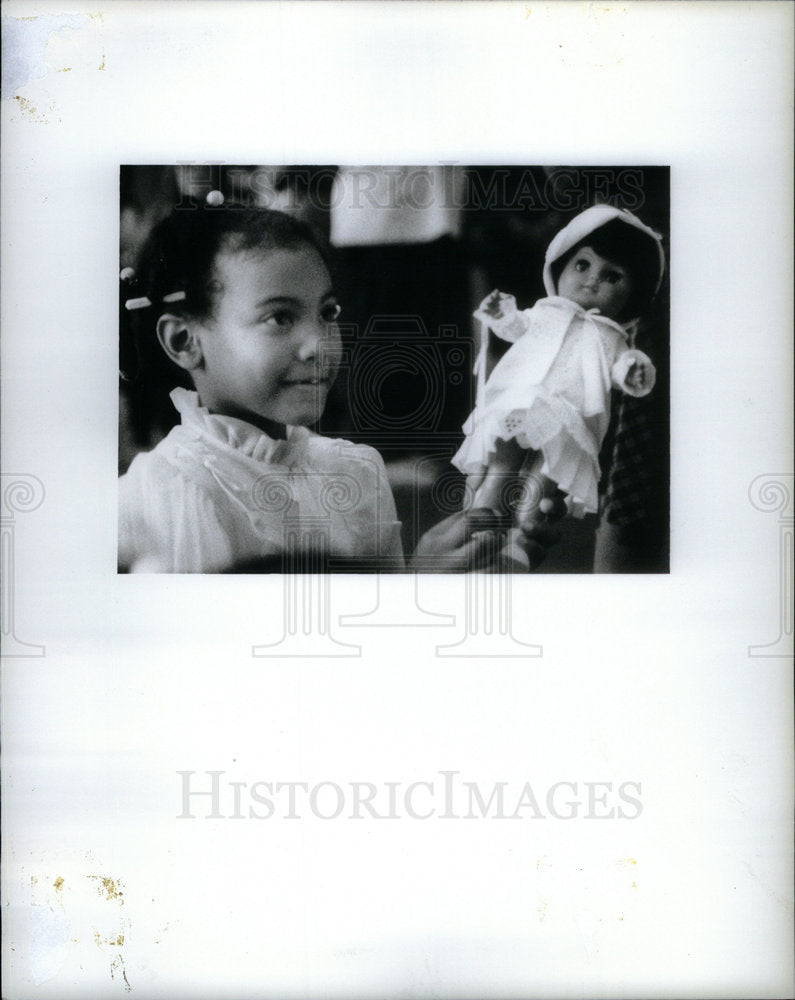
628 246
179 257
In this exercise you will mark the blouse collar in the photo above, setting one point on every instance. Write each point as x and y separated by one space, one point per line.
238 434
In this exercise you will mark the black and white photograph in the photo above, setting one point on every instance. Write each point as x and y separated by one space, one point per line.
422 420
396 514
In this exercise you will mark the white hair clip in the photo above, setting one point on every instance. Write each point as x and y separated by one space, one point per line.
141 303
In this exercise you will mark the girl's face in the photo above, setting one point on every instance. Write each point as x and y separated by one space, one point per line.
594 282
269 348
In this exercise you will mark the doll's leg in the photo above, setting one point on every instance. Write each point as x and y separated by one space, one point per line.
473 481
500 484
536 490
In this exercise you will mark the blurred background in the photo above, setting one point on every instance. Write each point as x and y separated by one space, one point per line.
413 250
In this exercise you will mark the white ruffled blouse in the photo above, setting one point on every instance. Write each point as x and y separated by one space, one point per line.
218 493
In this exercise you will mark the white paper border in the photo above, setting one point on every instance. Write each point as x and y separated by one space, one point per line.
648 678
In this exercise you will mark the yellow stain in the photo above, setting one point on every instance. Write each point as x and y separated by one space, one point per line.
108 888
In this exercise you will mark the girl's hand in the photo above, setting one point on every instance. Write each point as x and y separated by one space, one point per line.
448 547
452 547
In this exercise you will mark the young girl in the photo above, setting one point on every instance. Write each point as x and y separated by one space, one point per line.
542 414
240 301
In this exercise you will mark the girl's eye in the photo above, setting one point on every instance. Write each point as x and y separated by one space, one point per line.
282 320
330 312
613 277
581 265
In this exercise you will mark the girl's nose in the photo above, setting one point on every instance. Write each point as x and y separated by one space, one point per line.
311 338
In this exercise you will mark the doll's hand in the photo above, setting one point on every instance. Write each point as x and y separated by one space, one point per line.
634 373
498 305
638 375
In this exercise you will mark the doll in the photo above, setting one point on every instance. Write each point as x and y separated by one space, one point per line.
543 412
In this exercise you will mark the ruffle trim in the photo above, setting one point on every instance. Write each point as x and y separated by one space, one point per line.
549 425
239 435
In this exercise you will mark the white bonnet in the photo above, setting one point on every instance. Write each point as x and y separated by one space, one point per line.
583 225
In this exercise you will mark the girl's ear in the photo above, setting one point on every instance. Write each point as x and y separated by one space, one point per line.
180 342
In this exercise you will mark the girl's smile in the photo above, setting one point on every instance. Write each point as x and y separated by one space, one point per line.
268 349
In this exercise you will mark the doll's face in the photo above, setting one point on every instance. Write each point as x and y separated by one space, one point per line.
594 282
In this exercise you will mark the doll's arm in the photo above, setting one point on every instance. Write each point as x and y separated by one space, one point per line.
498 311
634 373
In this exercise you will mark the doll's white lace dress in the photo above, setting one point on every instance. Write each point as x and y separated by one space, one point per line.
551 392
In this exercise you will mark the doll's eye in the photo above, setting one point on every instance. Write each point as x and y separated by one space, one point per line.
581 265
614 277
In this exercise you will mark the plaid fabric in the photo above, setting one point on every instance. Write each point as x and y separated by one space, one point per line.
630 483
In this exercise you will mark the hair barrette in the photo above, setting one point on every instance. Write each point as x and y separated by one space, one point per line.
144 302
127 275
141 303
